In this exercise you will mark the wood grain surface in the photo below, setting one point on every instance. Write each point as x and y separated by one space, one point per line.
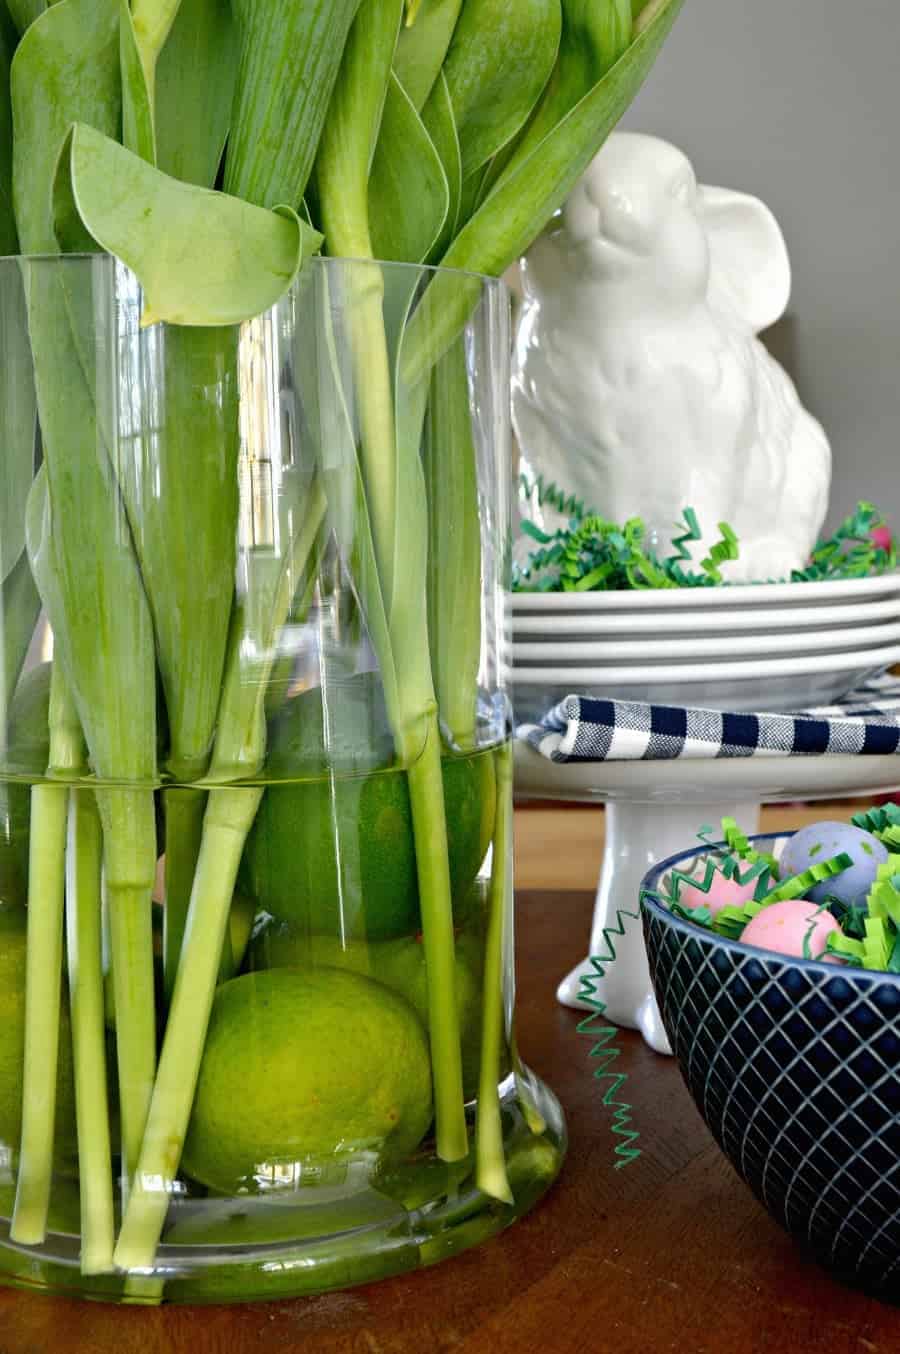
560 846
671 1253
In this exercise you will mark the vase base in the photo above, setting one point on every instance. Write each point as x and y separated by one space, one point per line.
322 1236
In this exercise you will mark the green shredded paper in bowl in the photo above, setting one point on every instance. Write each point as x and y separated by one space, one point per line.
591 554
869 935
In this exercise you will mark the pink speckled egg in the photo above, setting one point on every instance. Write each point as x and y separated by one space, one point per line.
722 893
784 927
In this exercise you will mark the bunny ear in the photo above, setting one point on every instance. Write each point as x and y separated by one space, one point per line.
750 272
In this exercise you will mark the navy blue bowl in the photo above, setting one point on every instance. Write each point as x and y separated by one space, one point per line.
795 1067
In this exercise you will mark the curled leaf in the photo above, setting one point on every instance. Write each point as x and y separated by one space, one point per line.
202 258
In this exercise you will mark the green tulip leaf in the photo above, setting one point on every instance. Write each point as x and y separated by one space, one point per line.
65 70
406 169
290 53
8 238
350 134
195 81
24 12
20 607
113 681
534 187
497 65
178 472
595 34
137 104
441 127
152 21
203 258
422 46
17 417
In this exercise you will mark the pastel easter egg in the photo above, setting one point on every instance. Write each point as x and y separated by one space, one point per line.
820 842
881 537
722 893
796 927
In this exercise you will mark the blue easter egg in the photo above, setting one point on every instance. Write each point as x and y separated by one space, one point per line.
821 841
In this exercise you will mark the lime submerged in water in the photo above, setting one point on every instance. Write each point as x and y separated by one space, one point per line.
334 853
300 1069
398 964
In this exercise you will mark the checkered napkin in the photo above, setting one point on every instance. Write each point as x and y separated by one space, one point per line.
581 729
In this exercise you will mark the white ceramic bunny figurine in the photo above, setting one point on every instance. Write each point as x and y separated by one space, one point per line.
639 384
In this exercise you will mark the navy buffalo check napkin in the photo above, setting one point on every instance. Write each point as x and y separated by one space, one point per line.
582 729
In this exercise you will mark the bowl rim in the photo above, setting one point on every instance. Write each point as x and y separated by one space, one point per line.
650 900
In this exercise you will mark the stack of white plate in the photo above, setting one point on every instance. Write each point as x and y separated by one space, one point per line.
763 646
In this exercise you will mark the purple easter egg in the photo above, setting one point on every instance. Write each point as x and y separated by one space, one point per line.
820 842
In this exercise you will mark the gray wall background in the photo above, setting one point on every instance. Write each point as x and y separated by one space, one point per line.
799 102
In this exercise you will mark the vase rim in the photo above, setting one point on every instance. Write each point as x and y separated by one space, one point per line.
487 281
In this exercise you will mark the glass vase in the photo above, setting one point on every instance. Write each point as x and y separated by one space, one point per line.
256 937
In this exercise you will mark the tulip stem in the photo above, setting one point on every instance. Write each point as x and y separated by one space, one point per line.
490 1162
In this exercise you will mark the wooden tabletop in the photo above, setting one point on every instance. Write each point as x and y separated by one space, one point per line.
670 1253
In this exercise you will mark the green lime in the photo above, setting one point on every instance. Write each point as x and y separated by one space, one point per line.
341 726
333 851
12 1045
399 964
302 1066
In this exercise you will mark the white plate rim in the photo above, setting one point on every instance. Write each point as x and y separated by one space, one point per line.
775 618
736 594
612 651
861 660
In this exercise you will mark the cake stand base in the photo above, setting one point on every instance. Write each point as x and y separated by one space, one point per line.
637 837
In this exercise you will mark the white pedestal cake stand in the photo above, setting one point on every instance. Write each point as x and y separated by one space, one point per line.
653 810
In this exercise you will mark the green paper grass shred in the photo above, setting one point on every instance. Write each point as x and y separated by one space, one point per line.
604 1048
878 944
729 867
894 961
731 920
879 821
884 896
845 948
870 935
802 883
740 845
592 554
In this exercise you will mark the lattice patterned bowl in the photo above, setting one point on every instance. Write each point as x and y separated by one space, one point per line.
795 1067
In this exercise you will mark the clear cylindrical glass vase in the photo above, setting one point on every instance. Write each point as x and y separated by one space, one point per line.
256 932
